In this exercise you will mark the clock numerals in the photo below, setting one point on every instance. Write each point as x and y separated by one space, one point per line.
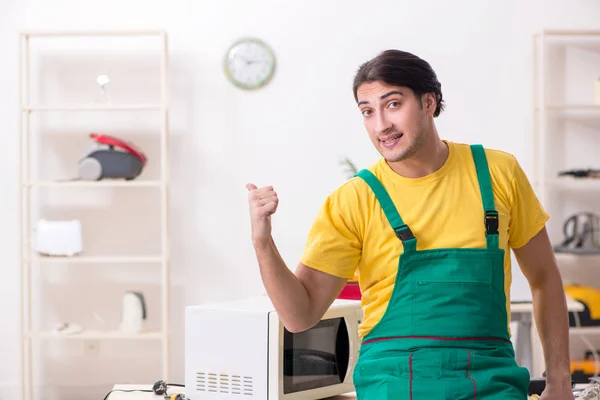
250 63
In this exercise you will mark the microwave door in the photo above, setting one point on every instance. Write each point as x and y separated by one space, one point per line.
317 357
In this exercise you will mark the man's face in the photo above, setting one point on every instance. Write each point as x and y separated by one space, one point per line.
394 118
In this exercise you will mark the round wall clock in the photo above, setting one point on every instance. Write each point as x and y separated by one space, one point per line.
249 63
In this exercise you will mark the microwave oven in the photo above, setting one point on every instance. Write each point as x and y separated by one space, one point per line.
241 350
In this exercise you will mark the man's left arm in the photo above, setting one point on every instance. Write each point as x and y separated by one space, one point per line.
538 263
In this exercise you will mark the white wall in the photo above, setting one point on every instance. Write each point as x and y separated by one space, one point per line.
297 127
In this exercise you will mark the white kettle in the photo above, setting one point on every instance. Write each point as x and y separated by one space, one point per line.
133 316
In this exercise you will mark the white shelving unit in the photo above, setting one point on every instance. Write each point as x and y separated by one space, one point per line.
29 183
566 136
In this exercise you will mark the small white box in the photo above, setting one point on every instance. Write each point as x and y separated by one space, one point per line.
59 238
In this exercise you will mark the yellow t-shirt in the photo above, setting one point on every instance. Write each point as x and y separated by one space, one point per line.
351 235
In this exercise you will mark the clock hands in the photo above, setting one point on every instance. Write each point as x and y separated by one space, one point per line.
248 62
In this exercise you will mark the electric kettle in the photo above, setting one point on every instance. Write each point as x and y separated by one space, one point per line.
133 316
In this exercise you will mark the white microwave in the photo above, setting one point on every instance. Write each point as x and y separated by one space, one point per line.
241 350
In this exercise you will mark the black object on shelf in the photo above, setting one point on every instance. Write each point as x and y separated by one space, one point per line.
580 234
584 318
581 173
536 386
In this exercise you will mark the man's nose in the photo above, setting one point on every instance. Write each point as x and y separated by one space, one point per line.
382 124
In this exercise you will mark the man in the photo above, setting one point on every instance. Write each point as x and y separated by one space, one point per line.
429 229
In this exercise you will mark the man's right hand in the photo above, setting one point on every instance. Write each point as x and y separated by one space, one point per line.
263 203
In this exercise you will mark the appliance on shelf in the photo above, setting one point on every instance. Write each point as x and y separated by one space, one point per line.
114 158
589 297
58 238
134 315
580 234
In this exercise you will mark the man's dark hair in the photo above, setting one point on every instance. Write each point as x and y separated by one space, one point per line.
400 68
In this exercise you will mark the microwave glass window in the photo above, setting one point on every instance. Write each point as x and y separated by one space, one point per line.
317 357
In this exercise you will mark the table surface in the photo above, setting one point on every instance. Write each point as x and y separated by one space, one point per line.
572 305
151 396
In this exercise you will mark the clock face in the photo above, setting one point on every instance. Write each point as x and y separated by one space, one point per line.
250 63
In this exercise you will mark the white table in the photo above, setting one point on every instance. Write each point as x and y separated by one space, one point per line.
521 307
174 389
147 395
528 347
152 396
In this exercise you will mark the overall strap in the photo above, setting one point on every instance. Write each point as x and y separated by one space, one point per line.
403 232
487 195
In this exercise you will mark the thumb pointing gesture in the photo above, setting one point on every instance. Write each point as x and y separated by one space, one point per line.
263 203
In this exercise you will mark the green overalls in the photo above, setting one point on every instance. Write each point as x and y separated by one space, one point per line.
444 334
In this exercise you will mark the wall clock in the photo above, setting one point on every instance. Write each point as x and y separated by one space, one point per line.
249 63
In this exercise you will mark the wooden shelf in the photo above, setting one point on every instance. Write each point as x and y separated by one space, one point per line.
588 114
583 252
571 33
578 184
32 145
566 120
574 257
96 335
108 183
589 330
572 107
124 107
74 33
97 259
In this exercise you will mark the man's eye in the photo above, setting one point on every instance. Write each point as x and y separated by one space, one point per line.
394 104
366 113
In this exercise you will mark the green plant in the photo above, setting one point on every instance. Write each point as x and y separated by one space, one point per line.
349 167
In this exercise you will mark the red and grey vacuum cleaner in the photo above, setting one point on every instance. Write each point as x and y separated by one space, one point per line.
113 159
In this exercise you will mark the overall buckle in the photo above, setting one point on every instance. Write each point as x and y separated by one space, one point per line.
491 222
404 233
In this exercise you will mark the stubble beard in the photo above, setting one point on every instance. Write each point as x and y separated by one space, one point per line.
411 148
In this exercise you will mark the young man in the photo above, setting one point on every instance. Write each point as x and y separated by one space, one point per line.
429 229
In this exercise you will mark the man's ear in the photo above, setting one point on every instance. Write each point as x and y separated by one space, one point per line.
429 103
